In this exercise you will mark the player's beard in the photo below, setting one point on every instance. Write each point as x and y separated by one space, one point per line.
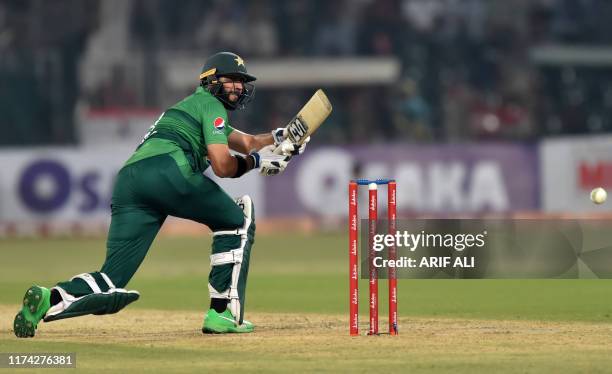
218 90
242 99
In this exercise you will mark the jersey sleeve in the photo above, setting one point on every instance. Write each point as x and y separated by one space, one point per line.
228 129
215 125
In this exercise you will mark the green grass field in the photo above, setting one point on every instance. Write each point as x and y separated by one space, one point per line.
298 299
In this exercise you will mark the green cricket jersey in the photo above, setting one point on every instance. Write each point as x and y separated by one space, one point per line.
192 124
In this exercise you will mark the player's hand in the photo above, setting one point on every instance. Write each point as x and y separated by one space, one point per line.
268 162
279 135
289 149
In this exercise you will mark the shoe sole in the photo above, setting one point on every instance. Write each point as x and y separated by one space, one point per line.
32 301
226 330
211 331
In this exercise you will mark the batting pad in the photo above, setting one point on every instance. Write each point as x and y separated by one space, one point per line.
104 299
230 261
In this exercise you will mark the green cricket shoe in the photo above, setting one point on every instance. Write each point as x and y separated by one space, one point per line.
36 302
224 323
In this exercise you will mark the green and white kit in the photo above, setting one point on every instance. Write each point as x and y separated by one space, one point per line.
163 177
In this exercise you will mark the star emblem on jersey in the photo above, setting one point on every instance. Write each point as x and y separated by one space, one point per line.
219 123
239 61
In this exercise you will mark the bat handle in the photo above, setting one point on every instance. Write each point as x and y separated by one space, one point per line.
279 149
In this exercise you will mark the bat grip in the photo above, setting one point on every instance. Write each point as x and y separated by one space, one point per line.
279 149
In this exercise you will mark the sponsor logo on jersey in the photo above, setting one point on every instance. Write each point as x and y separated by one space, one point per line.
219 123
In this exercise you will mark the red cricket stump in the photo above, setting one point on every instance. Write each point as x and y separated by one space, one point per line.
391 210
372 221
353 260
371 253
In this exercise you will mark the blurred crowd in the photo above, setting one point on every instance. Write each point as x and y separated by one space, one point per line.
466 67
41 43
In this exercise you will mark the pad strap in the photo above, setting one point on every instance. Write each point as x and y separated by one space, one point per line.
233 256
89 279
240 232
110 284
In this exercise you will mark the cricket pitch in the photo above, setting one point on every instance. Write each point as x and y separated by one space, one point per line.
171 341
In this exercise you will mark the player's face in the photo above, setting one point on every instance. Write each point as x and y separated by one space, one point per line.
232 87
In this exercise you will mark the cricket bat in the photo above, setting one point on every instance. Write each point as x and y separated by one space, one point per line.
308 120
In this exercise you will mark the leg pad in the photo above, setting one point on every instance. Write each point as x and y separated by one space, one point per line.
103 299
230 263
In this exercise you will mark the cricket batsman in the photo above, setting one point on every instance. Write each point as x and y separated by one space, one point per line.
164 177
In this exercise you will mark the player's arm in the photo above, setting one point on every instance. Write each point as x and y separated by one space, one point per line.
226 165
246 143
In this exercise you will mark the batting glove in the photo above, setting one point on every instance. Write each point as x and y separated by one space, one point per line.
268 162
290 149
